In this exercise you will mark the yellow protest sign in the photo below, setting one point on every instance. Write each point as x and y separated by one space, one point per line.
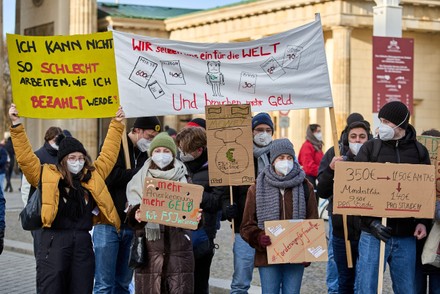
64 76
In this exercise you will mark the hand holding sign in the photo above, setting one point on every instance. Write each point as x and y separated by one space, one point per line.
13 115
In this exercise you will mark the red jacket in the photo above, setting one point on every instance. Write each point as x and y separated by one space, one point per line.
310 159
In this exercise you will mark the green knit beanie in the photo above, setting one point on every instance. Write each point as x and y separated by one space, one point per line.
163 140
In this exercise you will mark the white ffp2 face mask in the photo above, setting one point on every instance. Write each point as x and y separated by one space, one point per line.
162 159
386 132
143 144
75 167
284 166
262 139
54 146
355 147
318 136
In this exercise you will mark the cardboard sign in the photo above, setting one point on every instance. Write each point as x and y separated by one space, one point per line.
431 143
384 189
296 241
229 134
171 203
64 76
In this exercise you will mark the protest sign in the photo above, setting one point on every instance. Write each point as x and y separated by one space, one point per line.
167 77
229 134
64 76
384 189
171 203
431 143
296 241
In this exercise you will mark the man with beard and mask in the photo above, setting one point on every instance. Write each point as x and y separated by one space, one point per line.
112 274
194 154
357 134
47 154
262 132
397 143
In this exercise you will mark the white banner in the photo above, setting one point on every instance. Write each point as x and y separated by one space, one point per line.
166 77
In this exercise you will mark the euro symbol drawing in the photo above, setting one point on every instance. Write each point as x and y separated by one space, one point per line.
230 155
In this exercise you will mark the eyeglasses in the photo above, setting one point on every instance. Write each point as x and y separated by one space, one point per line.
73 159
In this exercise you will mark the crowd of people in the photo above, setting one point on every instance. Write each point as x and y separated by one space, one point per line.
103 196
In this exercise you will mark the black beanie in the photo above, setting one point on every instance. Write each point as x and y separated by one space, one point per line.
395 112
262 118
354 117
147 123
68 145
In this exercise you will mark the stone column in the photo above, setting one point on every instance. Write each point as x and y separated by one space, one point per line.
341 74
83 20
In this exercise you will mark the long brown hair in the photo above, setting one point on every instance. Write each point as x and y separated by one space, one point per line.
62 168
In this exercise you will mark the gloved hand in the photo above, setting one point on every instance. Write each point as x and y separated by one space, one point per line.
380 231
264 240
231 211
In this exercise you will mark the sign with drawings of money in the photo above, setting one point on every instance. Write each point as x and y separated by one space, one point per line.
229 135
171 203
168 77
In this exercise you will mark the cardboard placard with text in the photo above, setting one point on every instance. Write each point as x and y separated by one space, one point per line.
431 143
296 241
229 135
171 203
384 189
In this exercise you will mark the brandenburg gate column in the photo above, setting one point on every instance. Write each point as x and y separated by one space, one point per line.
341 74
83 20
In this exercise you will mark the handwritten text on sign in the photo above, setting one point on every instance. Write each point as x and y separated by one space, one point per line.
431 143
168 77
384 189
295 241
171 203
64 76
229 134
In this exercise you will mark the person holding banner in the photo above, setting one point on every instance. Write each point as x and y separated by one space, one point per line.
280 192
397 143
192 144
170 259
112 248
74 197
310 154
357 134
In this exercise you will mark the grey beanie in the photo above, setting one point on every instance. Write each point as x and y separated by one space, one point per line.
281 146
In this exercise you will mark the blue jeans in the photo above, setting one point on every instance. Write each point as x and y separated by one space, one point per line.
347 275
332 270
281 278
2 180
400 253
112 274
243 265
2 210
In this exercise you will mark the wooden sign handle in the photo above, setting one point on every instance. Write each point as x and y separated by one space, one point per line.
125 147
381 261
344 216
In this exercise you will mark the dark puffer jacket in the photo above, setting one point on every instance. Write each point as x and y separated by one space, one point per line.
396 151
170 261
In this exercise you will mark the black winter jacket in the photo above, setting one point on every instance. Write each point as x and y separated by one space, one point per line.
120 176
324 190
396 151
211 199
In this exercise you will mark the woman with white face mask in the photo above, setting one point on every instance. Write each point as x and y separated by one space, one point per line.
357 134
169 249
74 197
280 192
310 154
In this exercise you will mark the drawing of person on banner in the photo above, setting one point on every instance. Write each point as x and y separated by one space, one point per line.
281 192
214 77
397 143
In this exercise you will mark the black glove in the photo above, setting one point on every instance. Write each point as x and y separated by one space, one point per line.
380 231
231 211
